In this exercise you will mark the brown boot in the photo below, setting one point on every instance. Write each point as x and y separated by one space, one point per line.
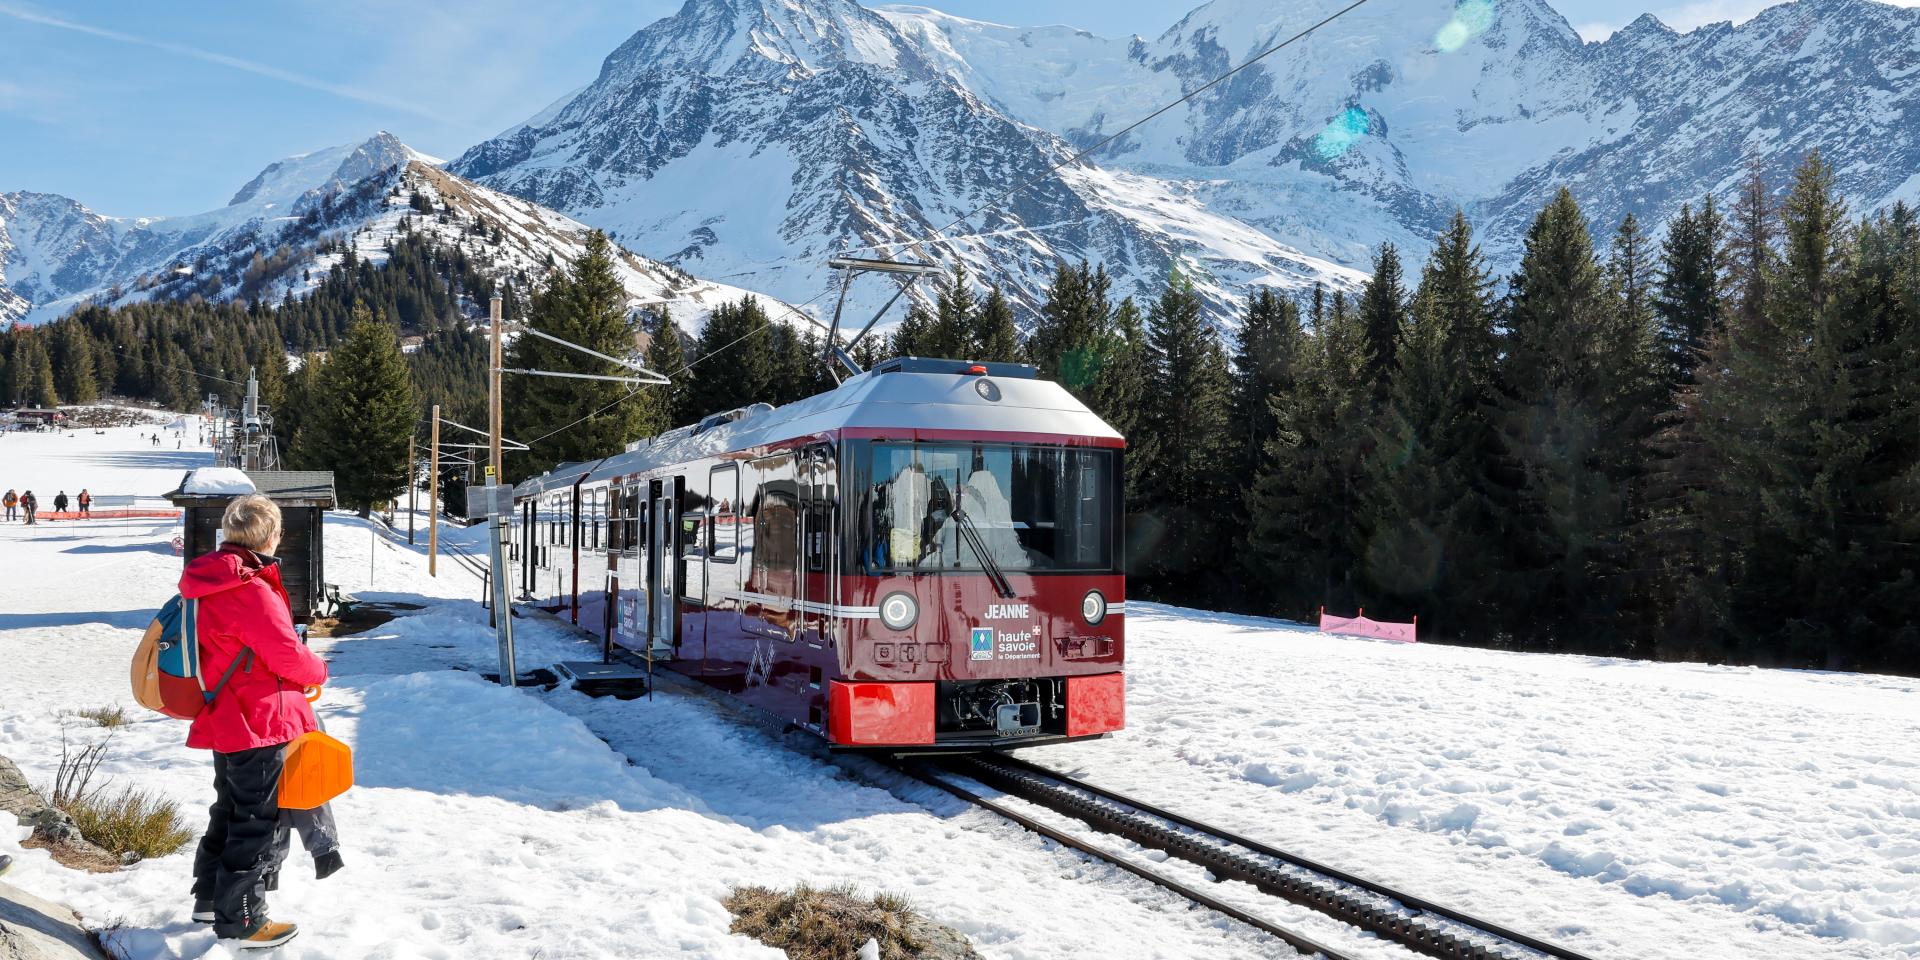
269 935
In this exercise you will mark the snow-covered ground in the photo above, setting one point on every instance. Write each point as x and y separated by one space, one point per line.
1628 809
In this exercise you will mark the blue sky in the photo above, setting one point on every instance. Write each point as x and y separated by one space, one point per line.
141 108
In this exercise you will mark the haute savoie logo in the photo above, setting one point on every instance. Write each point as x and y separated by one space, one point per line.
983 643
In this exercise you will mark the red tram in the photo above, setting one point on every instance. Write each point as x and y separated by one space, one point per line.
928 556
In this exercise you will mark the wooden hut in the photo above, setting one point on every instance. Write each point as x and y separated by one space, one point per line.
304 497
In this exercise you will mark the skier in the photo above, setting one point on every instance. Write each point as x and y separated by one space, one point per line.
85 500
12 503
244 621
28 504
60 503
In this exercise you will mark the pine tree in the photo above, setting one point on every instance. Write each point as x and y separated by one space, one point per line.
1566 460
74 373
1430 526
33 375
1265 365
667 356
585 305
1304 503
733 364
1074 329
296 423
953 332
1679 570
1750 255
364 417
1186 414
1382 313
997 340
1688 295
912 338
1799 436
1119 393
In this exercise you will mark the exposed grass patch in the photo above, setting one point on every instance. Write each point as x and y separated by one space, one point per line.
825 924
138 822
112 718
133 822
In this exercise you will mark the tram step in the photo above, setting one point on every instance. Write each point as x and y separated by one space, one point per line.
623 681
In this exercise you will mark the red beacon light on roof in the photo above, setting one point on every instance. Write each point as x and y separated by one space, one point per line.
978 369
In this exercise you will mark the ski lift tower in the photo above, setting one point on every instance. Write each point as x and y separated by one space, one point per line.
257 449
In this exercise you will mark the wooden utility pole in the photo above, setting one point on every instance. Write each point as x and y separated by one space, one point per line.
433 498
413 487
493 395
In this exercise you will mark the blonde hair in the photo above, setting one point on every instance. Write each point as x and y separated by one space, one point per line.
251 521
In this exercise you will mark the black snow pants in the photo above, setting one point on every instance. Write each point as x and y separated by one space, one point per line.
238 851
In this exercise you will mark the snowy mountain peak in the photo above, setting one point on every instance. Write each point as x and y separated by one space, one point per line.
762 38
285 184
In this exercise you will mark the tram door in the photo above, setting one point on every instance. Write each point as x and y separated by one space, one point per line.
816 582
528 538
663 590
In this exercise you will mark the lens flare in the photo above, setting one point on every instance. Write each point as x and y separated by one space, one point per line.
1341 134
1470 19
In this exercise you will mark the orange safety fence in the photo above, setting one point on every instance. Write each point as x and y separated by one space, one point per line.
1365 626
48 515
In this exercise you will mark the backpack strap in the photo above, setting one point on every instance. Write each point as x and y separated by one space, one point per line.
246 656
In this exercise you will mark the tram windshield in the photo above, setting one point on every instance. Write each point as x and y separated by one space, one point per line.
934 507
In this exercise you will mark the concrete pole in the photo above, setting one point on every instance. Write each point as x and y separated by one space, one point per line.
433 498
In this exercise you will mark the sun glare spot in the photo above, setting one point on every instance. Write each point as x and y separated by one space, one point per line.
1341 134
1470 19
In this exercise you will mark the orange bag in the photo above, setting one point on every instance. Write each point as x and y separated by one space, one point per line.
317 769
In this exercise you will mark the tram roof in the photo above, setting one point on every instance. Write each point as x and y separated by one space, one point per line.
920 395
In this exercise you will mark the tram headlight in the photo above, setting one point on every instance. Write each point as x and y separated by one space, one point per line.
899 611
1094 607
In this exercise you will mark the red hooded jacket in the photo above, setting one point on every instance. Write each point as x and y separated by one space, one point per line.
244 606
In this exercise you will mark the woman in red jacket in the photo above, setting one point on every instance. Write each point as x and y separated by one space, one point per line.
244 615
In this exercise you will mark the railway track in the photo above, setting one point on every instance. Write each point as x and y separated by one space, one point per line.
466 559
1413 922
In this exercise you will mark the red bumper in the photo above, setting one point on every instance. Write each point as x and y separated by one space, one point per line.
1096 704
880 714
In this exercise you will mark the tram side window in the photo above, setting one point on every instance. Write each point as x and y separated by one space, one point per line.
723 511
633 518
774 526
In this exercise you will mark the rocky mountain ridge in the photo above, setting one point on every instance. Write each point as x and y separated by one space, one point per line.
287 227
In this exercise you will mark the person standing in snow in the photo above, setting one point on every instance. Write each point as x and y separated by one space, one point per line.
85 501
60 502
12 502
245 617
28 504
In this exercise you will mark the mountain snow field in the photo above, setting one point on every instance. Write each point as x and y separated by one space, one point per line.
1625 809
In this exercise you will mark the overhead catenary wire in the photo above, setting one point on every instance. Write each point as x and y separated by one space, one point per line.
631 393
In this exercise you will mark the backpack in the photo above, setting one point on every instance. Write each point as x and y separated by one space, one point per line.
166 665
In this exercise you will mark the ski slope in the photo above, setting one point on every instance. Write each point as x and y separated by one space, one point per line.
1626 809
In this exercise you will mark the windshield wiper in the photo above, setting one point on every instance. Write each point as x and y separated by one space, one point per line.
971 535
